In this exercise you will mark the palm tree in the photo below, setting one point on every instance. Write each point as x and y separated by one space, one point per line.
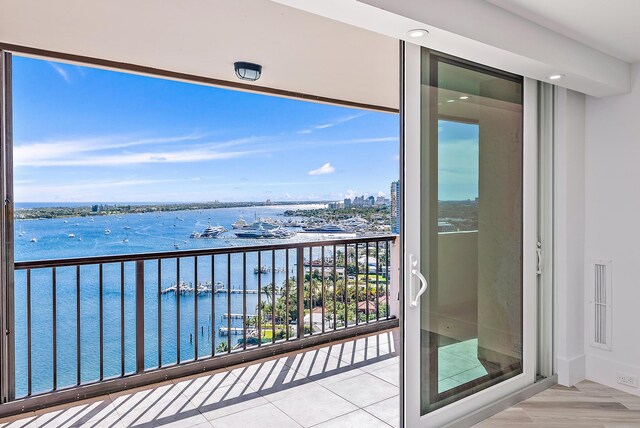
267 289
222 347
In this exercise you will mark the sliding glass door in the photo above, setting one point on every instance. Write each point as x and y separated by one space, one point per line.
466 237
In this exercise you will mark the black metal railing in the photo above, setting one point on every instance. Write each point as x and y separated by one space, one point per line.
84 321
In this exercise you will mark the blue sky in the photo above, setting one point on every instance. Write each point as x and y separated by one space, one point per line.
458 160
84 134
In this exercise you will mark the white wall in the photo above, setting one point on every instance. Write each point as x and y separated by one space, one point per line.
569 172
612 233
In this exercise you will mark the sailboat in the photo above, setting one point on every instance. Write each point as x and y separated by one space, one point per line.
175 244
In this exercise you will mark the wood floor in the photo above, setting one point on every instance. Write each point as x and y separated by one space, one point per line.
586 405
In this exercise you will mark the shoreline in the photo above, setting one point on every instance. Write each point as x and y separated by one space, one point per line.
97 210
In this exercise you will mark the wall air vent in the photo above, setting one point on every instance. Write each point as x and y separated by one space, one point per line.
600 304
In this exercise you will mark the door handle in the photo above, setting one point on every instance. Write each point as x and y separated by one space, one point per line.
539 256
423 281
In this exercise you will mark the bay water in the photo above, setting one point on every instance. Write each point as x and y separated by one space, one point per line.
132 234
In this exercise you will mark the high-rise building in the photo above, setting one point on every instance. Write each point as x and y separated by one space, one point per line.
347 202
371 201
395 207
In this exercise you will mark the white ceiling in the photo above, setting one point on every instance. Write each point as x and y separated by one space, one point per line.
299 51
488 34
610 26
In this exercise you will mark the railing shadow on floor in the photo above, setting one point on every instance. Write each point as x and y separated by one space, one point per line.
225 388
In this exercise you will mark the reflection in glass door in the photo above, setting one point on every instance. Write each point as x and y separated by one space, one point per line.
471 229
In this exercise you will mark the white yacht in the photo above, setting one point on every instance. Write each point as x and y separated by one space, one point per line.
212 231
327 228
107 232
71 235
239 224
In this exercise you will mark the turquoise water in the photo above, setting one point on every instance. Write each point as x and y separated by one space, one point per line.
148 232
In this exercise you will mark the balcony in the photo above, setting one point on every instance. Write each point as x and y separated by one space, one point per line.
292 315
353 382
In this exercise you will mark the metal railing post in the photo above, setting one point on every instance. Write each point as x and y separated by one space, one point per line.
300 289
7 316
140 316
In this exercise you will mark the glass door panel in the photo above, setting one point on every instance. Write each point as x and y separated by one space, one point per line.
471 229
468 236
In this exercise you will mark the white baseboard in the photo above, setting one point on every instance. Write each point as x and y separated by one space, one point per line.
571 371
604 370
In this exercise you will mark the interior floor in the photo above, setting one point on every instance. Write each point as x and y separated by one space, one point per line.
585 405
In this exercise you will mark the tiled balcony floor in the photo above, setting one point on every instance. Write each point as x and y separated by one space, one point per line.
348 384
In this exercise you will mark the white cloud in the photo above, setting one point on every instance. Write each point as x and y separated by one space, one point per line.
61 71
351 194
86 190
330 124
113 151
324 169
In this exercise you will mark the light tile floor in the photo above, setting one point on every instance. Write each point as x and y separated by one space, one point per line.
458 364
348 384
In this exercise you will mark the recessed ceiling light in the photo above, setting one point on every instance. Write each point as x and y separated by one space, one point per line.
417 33
451 101
464 97
556 76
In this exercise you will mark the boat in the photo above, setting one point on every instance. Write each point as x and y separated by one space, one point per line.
327 228
34 240
261 232
261 269
252 233
212 231
71 235
239 224
127 228
107 232
184 288
125 240
195 235
283 233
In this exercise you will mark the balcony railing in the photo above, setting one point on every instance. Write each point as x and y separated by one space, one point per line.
93 325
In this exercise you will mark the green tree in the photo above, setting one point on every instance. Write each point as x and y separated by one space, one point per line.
222 347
